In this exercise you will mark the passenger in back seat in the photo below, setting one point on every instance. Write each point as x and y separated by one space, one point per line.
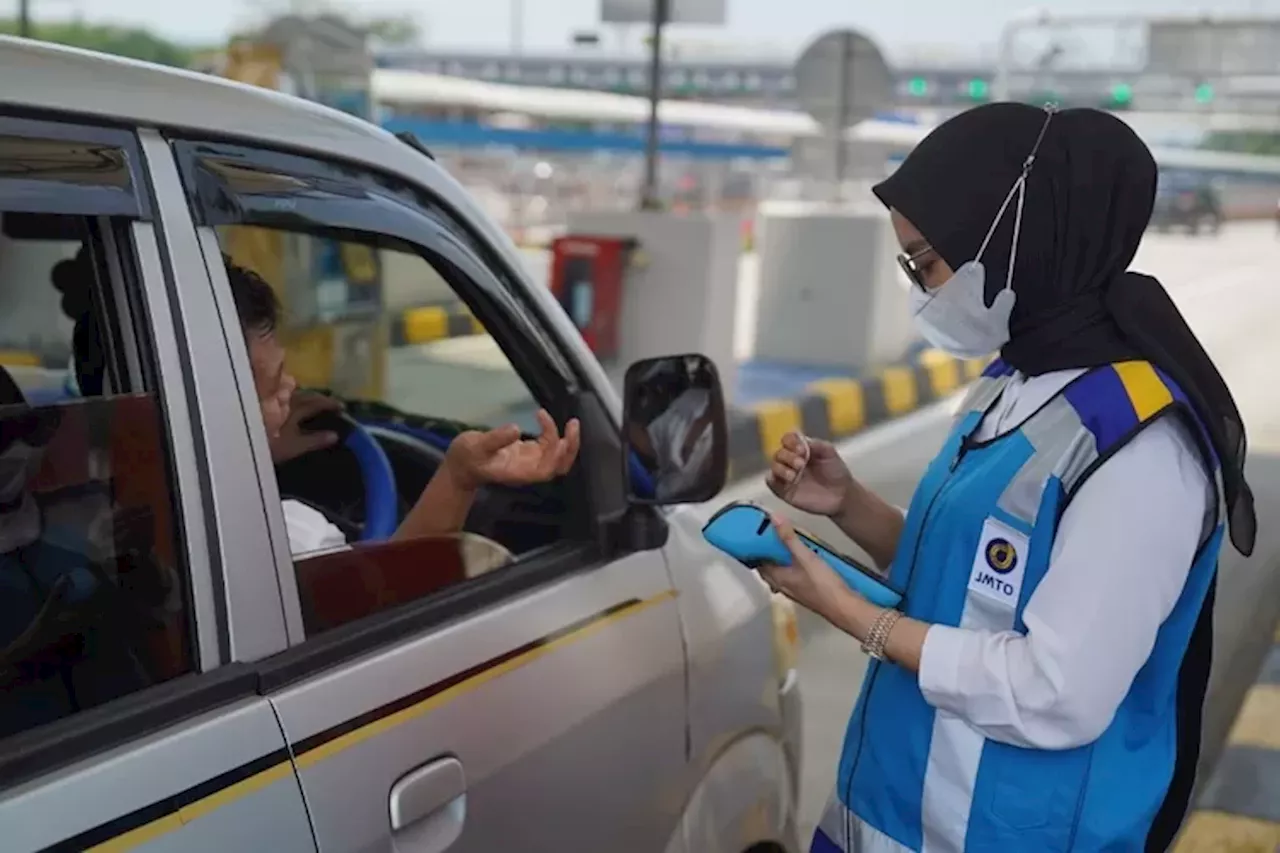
73 278
68 634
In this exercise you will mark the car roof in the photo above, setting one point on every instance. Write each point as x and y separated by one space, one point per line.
45 76
50 77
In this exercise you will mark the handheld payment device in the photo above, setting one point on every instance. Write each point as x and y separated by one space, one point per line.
744 531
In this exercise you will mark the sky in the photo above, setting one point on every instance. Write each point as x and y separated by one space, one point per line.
944 27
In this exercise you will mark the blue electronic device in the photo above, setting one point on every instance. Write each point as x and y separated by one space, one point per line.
744 531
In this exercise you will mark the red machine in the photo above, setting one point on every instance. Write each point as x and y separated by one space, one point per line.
587 276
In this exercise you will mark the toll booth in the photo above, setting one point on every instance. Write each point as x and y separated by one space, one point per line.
588 275
680 293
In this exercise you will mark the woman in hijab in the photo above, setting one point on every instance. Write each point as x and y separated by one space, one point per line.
1041 684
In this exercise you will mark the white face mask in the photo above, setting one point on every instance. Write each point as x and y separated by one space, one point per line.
954 317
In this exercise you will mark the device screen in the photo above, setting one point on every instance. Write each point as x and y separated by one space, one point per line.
804 534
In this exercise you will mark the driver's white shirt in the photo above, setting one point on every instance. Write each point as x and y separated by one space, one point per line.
309 531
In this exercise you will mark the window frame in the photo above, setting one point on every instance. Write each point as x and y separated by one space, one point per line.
121 239
487 291
54 196
428 227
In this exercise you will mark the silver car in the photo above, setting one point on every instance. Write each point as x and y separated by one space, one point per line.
578 671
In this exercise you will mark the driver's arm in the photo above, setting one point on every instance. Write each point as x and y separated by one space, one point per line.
442 507
476 459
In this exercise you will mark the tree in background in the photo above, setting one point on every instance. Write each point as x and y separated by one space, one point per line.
402 29
133 42
395 30
1243 142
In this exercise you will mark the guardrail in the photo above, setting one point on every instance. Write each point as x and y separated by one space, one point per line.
838 408
430 323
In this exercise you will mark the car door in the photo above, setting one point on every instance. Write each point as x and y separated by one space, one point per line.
125 723
431 706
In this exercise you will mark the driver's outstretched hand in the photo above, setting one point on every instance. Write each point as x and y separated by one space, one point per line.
500 456
293 441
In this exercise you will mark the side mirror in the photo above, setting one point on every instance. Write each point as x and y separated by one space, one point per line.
676 433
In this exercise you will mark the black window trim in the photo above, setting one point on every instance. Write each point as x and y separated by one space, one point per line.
135 203
510 317
116 306
40 752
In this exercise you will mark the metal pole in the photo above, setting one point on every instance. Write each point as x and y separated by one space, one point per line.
517 27
650 197
24 18
842 114
1004 59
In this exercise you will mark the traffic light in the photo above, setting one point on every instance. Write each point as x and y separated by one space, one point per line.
979 89
918 87
1121 96
1204 93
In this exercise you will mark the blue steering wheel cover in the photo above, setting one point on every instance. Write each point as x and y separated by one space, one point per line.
381 511
641 481
424 435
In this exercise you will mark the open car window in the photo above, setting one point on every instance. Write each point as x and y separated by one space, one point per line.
387 304
383 330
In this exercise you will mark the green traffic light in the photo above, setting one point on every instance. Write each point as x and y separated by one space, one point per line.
918 87
978 89
1204 93
1122 93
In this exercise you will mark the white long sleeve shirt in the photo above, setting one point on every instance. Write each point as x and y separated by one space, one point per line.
1122 554
309 531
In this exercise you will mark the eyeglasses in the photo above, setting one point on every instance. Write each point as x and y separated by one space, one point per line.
910 266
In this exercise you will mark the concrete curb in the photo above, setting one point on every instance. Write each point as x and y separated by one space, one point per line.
837 408
429 323
1239 809
28 358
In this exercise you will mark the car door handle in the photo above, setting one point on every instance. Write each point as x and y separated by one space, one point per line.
428 806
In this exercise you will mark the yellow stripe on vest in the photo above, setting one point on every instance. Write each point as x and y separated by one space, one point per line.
1147 392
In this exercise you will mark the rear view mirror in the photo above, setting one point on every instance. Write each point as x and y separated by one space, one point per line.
675 430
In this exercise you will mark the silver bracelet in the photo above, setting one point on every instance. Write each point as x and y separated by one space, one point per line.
878 636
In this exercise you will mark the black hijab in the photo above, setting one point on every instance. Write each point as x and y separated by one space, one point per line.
1089 199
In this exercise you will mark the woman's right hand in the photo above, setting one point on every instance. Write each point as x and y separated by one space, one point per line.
809 475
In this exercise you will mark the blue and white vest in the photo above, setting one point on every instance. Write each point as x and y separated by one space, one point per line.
974 548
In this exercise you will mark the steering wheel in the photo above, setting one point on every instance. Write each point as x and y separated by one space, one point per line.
380 496
481 553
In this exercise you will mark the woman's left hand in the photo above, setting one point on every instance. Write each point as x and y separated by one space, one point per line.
808 581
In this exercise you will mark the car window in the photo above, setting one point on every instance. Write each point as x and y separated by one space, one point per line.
94 599
394 304
385 331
